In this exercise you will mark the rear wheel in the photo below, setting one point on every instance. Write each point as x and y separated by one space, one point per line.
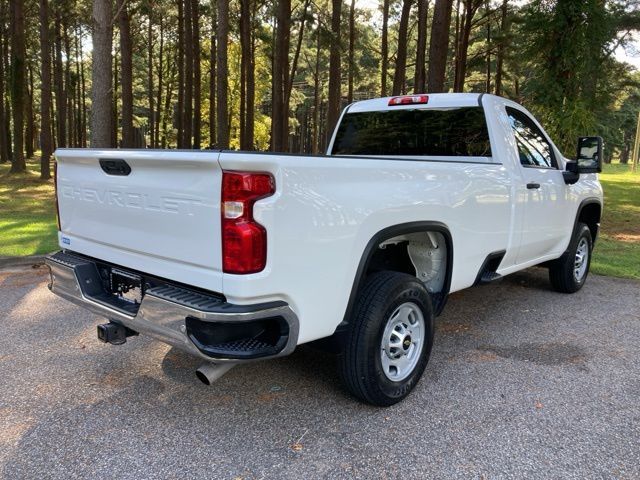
569 272
390 338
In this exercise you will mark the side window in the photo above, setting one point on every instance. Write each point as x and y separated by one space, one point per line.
533 147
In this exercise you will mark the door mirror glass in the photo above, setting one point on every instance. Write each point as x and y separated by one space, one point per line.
589 157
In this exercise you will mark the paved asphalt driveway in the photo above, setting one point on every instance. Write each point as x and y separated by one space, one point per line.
522 382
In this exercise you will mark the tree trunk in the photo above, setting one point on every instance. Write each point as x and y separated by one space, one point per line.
400 74
6 59
384 61
4 151
114 108
504 32
46 145
462 47
197 76
212 79
352 46
126 77
488 85
159 113
68 87
296 55
150 90
316 98
83 87
61 101
18 83
179 115
222 75
187 123
245 53
439 45
251 88
30 131
419 82
334 69
280 113
101 98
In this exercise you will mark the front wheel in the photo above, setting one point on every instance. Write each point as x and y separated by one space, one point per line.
389 340
569 272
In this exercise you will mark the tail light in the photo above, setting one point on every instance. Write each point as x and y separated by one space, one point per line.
409 100
55 186
244 241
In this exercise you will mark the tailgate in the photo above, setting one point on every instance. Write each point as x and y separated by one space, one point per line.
159 213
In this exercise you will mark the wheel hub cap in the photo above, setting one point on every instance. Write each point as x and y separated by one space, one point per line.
581 260
402 341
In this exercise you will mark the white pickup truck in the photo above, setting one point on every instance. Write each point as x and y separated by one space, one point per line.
238 256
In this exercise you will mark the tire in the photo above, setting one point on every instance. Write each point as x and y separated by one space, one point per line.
394 307
568 273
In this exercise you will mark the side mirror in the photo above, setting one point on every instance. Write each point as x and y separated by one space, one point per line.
589 158
571 175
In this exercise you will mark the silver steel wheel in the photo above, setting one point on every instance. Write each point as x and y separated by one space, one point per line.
402 341
582 260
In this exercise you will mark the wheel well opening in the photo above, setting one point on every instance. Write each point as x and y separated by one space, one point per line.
590 215
421 254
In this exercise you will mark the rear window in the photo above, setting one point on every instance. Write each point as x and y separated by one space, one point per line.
451 132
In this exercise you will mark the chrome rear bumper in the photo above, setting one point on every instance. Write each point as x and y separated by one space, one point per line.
175 315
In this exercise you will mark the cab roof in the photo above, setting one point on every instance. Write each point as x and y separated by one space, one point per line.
436 100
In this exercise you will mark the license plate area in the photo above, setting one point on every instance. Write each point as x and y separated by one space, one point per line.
126 286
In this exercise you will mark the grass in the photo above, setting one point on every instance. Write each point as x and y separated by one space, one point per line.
28 220
27 212
617 251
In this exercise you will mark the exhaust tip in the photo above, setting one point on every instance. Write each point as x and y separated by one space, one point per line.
210 372
202 377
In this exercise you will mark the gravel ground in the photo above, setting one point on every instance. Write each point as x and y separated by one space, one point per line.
522 382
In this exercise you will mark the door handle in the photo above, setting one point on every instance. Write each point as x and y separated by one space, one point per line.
532 186
115 167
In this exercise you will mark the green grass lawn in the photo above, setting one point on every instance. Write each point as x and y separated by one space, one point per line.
617 251
28 220
27 212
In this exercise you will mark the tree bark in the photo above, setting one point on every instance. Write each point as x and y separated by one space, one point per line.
504 32
296 54
251 87
315 141
18 83
419 82
4 151
126 76
352 46
30 131
384 61
150 89
101 98
400 74
197 76
159 112
212 78
245 53
83 87
58 72
470 9
334 70
46 144
280 113
439 45
187 125
180 64
222 73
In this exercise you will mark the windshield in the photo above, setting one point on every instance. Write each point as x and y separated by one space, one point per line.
447 132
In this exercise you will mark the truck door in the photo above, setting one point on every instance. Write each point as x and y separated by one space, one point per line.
543 189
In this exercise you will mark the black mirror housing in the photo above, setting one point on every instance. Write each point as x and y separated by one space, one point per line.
589 156
571 175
